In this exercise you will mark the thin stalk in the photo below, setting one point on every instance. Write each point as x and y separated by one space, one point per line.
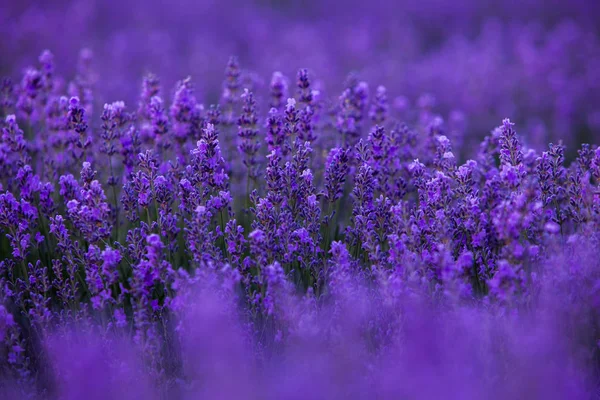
114 190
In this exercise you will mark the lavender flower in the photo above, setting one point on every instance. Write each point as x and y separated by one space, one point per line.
379 109
335 173
279 88
150 88
305 96
247 132
511 155
182 108
275 134
231 87
159 121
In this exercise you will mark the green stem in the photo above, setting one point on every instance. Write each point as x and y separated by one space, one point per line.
114 190
247 206
223 237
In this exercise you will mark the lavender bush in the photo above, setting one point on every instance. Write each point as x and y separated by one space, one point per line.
302 233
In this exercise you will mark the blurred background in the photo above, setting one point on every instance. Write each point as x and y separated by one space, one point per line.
535 61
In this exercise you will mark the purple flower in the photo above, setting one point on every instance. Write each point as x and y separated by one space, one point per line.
275 134
150 88
76 116
231 87
305 95
279 90
247 132
379 109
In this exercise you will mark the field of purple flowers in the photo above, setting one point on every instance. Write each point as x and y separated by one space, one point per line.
399 202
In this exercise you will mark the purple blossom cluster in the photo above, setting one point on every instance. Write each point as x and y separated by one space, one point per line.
303 235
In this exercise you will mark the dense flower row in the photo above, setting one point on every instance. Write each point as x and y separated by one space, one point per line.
292 217
536 62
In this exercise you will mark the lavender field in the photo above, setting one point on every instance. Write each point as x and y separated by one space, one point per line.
271 199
